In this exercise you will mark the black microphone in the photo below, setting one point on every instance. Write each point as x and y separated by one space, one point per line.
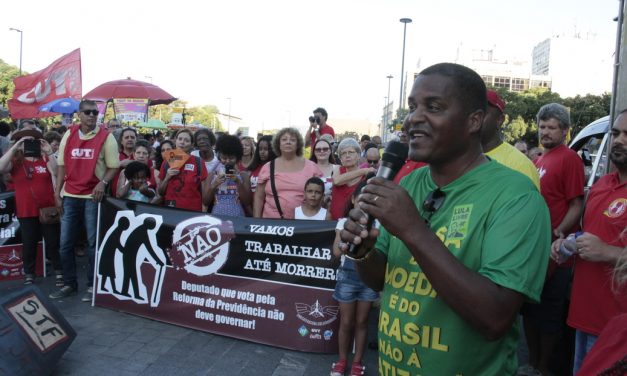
393 159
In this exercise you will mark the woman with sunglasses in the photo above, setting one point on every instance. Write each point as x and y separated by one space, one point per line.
185 186
322 155
33 170
346 177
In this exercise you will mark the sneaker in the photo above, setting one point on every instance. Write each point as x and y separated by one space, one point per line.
58 280
89 294
338 368
29 279
64 292
357 369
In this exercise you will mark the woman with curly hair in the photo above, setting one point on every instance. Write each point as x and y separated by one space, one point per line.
280 184
229 190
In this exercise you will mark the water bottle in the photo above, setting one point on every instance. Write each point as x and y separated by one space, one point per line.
568 247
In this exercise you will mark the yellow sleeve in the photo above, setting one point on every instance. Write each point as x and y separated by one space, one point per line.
61 152
111 154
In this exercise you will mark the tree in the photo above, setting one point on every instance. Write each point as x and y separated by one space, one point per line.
514 130
7 74
348 134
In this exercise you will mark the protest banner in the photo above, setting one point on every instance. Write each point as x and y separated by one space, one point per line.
61 79
266 281
11 264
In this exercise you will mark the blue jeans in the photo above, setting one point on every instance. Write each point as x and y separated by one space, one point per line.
583 344
75 212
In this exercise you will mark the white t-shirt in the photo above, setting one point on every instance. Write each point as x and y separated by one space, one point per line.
320 216
211 165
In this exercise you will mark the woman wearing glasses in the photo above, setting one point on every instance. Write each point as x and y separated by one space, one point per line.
347 176
184 187
33 170
280 183
322 155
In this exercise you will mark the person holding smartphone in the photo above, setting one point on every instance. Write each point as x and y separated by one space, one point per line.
229 191
33 171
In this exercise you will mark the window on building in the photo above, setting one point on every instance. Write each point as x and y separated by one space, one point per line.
502 82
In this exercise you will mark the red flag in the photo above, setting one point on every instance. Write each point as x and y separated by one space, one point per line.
61 79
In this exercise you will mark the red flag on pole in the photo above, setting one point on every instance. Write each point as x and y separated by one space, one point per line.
61 79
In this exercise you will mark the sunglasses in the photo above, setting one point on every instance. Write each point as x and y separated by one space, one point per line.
90 112
433 202
372 162
321 150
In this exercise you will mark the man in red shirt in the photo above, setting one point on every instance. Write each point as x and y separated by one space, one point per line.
561 184
318 126
595 299
88 160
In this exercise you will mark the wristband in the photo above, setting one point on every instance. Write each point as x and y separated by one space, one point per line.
104 182
363 258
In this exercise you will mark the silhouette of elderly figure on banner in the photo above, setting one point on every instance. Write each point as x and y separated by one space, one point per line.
137 238
106 264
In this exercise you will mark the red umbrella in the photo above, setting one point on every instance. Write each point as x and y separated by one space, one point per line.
131 89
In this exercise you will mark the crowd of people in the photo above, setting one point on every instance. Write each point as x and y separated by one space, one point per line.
469 236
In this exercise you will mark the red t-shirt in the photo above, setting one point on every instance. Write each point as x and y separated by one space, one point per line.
593 302
80 159
341 197
561 180
327 129
33 187
185 189
407 168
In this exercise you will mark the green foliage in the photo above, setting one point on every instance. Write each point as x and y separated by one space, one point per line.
7 74
522 108
514 130
349 134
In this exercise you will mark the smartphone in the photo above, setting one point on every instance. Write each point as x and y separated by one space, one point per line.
32 148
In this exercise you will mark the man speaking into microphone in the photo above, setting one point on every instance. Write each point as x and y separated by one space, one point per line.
463 242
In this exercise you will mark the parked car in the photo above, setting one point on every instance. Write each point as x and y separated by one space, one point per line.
591 143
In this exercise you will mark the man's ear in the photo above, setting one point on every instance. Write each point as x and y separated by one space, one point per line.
475 121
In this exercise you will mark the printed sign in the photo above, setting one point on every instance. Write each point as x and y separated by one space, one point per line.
11 264
40 326
130 109
267 281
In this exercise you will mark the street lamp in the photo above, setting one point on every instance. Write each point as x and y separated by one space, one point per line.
21 36
405 21
387 105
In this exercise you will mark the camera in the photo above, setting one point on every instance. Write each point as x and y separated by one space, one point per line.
314 119
32 148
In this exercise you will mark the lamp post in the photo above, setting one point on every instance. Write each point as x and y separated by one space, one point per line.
21 38
405 21
387 105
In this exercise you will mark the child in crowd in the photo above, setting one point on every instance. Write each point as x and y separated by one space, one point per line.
312 206
355 302
136 187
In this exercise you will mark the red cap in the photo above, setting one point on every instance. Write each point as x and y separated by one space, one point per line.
495 100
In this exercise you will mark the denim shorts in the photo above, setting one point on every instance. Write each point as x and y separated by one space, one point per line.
350 288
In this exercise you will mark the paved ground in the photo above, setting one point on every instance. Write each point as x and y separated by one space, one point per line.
114 343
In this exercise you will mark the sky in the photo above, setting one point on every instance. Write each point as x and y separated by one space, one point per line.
278 60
